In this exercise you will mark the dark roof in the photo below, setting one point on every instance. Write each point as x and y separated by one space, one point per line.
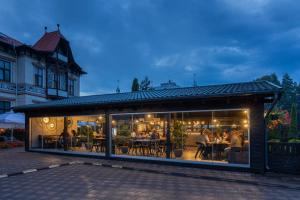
48 42
9 40
224 90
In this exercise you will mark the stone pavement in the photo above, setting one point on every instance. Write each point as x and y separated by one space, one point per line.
81 181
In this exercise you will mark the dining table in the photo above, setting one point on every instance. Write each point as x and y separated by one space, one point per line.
146 145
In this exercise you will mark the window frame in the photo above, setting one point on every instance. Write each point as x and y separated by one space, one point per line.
5 70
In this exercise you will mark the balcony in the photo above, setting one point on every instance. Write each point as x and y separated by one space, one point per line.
7 87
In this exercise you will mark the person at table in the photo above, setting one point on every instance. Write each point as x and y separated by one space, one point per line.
154 134
61 139
202 142
218 138
236 142
225 137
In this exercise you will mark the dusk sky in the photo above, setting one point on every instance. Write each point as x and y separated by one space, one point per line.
219 41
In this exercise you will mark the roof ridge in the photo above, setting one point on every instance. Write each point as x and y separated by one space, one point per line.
179 88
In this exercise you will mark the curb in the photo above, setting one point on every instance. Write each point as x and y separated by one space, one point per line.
38 169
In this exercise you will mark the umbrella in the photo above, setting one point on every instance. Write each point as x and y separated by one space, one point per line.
12 120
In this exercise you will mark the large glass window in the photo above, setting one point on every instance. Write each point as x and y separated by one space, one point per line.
5 71
139 135
207 136
83 133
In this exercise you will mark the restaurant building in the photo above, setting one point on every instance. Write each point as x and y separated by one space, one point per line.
215 126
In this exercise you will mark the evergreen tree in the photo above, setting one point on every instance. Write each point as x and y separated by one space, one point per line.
289 94
145 84
293 130
135 85
271 78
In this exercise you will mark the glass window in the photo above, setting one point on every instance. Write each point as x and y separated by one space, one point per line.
71 89
231 136
5 106
38 76
139 134
208 136
52 79
62 81
84 133
5 71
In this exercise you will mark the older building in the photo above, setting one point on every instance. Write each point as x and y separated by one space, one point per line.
44 71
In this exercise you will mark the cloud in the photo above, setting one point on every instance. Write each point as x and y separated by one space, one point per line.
220 41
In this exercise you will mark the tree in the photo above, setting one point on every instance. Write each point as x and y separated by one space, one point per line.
271 78
293 130
145 84
289 94
135 85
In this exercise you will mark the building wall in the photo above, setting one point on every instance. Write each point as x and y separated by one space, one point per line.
22 72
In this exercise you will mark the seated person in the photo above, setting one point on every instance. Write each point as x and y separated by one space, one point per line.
236 142
133 134
202 142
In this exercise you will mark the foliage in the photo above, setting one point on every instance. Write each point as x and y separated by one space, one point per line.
289 95
271 78
178 135
124 130
85 131
145 84
277 123
293 130
277 118
123 135
294 140
135 85
274 140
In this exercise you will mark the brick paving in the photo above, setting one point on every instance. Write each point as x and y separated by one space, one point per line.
97 182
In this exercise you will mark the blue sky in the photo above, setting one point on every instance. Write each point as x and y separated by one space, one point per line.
220 41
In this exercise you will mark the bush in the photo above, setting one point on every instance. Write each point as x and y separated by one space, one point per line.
294 140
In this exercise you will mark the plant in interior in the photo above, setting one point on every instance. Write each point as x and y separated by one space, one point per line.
178 138
122 137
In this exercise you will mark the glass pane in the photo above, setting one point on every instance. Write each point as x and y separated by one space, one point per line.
47 132
198 130
7 75
121 133
231 136
139 134
1 74
86 133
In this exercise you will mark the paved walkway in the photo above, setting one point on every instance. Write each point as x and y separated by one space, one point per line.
138 181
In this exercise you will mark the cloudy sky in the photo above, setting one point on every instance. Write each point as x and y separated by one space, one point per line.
220 41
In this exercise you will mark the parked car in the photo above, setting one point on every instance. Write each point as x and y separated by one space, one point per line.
6 142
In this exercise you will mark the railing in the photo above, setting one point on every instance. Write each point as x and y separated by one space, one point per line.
7 87
30 89
284 157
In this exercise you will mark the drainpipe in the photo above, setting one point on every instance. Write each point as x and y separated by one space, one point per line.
277 96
